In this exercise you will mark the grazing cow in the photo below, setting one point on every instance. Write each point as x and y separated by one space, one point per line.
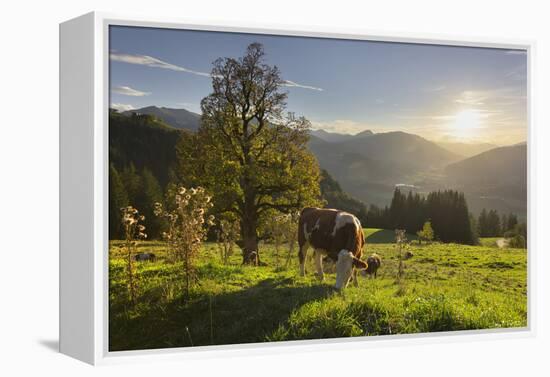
141 257
373 261
332 233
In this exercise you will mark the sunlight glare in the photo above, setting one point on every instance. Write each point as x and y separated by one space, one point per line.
465 123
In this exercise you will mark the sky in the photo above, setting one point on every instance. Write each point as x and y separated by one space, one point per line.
443 93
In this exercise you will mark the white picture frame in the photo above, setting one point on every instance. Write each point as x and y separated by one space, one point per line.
84 103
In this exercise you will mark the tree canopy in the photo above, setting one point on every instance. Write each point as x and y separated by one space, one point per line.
249 153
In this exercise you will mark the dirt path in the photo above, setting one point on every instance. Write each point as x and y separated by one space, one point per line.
502 242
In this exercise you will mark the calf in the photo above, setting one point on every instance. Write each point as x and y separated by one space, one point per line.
373 261
140 257
332 233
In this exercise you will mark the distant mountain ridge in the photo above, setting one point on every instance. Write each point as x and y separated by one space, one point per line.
335 137
177 118
507 165
369 165
401 147
467 149
494 179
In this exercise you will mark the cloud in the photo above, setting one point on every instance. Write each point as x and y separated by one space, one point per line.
293 84
436 88
150 61
127 91
122 107
343 126
518 73
190 106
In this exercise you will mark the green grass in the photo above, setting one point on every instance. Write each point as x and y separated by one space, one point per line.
374 235
489 241
445 287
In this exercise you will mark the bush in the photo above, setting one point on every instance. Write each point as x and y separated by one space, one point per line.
518 242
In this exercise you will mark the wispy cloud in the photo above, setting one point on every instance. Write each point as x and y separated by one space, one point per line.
150 61
345 126
122 107
472 98
190 106
518 73
435 88
127 91
293 84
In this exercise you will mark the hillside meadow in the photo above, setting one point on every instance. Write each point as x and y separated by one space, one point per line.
445 287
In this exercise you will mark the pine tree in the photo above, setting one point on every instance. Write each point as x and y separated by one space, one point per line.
512 221
118 198
133 184
493 224
482 224
503 224
152 193
397 209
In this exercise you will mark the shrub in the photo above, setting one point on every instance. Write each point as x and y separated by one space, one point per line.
187 227
427 233
518 242
227 235
133 231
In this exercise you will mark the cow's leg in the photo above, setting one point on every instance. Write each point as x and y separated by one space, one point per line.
302 253
355 278
319 264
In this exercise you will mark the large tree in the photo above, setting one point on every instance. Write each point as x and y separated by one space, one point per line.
248 152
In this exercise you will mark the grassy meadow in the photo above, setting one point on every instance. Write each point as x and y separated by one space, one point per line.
445 287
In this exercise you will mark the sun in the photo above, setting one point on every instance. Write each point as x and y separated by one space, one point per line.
465 123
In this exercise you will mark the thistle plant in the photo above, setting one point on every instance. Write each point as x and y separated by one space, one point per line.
228 233
278 233
187 227
400 240
283 230
133 231
292 235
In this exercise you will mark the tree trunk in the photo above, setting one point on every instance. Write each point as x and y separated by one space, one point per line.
249 221
250 237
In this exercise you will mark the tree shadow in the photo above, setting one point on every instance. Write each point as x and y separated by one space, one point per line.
245 316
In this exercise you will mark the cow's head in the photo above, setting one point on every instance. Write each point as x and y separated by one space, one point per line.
344 267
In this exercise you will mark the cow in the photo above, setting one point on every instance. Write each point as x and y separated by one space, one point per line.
373 261
335 234
140 257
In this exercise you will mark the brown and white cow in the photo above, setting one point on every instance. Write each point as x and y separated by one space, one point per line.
336 234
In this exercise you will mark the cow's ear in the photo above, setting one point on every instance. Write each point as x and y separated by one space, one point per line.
358 263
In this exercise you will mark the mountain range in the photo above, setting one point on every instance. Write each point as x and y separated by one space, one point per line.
177 118
370 165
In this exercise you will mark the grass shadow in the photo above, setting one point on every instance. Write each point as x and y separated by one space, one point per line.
245 316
